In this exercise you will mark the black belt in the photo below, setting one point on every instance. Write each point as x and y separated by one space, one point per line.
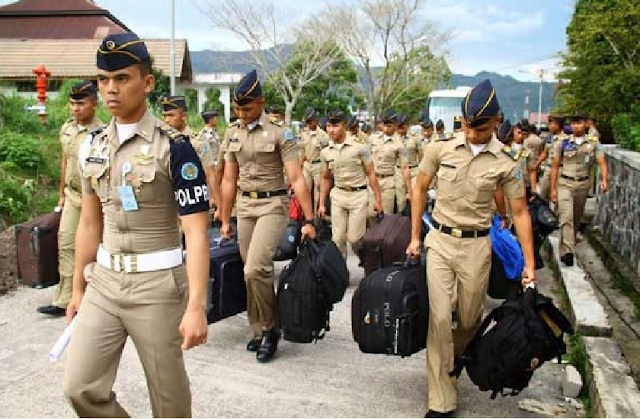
265 194
456 232
316 161
383 176
576 179
410 167
352 189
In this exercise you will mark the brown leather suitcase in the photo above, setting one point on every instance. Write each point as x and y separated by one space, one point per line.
385 242
37 250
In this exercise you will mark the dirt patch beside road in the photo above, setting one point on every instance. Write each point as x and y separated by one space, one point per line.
8 261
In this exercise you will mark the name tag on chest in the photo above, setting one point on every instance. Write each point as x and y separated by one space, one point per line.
93 159
127 198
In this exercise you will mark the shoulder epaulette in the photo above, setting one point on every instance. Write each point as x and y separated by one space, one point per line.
172 133
70 120
510 152
94 133
276 121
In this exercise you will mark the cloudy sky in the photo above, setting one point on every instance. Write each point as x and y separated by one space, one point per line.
515 37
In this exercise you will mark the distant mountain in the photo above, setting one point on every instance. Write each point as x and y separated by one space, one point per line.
511 92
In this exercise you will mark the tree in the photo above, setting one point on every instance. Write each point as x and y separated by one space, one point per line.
601 69
270 36
161 89
212 102
395 48
333 89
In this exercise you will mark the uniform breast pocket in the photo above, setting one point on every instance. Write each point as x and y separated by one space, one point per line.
265 148
484 190
570 154
446 178
141 179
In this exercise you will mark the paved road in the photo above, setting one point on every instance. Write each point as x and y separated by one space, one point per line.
329 379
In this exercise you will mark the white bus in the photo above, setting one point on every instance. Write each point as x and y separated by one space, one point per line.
445 105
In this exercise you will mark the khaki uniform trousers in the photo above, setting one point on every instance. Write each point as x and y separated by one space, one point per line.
311 172
66 247
388 192
452 263
146 306
401 189
349 218
545 185
261 223
572 197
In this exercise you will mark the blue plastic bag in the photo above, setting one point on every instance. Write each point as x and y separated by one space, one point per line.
507 248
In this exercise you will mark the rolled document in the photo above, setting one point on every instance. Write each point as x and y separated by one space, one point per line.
61 344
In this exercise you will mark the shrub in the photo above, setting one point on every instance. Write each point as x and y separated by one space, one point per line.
20 150
626 129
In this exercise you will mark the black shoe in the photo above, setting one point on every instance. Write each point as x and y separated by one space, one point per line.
253 345
435 414
268 345
52 311
567 259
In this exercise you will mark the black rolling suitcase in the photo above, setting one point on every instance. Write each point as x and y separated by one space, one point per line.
390 311
226 291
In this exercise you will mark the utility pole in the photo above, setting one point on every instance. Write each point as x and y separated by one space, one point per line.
172 54
541 74
525 114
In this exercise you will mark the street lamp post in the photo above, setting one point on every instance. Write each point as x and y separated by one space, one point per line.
172 54
541 74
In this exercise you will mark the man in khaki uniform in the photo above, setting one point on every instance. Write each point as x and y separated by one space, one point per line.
313 141
525 156
573 158
427 131
350 164
174 111
210 134
258 148
470 170
413 151
83 102
388 152
138 176
556 123
535 144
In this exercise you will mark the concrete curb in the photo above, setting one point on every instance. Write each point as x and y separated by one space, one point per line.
612 390
587 314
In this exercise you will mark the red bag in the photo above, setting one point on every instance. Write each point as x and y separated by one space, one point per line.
295 209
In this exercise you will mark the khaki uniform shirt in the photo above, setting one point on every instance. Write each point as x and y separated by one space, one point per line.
577 160
202 146
71 138
211 135
466 183
162 170
524 157
387 153
593 132
412 145
261 151
549 145
347 163
313 142
535 144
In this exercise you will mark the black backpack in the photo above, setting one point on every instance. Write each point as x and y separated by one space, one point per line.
303 304
512 341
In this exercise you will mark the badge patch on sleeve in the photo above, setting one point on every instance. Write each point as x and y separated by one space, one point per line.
189 171
288 135
518 173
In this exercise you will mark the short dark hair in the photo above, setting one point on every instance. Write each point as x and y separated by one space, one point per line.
145 67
